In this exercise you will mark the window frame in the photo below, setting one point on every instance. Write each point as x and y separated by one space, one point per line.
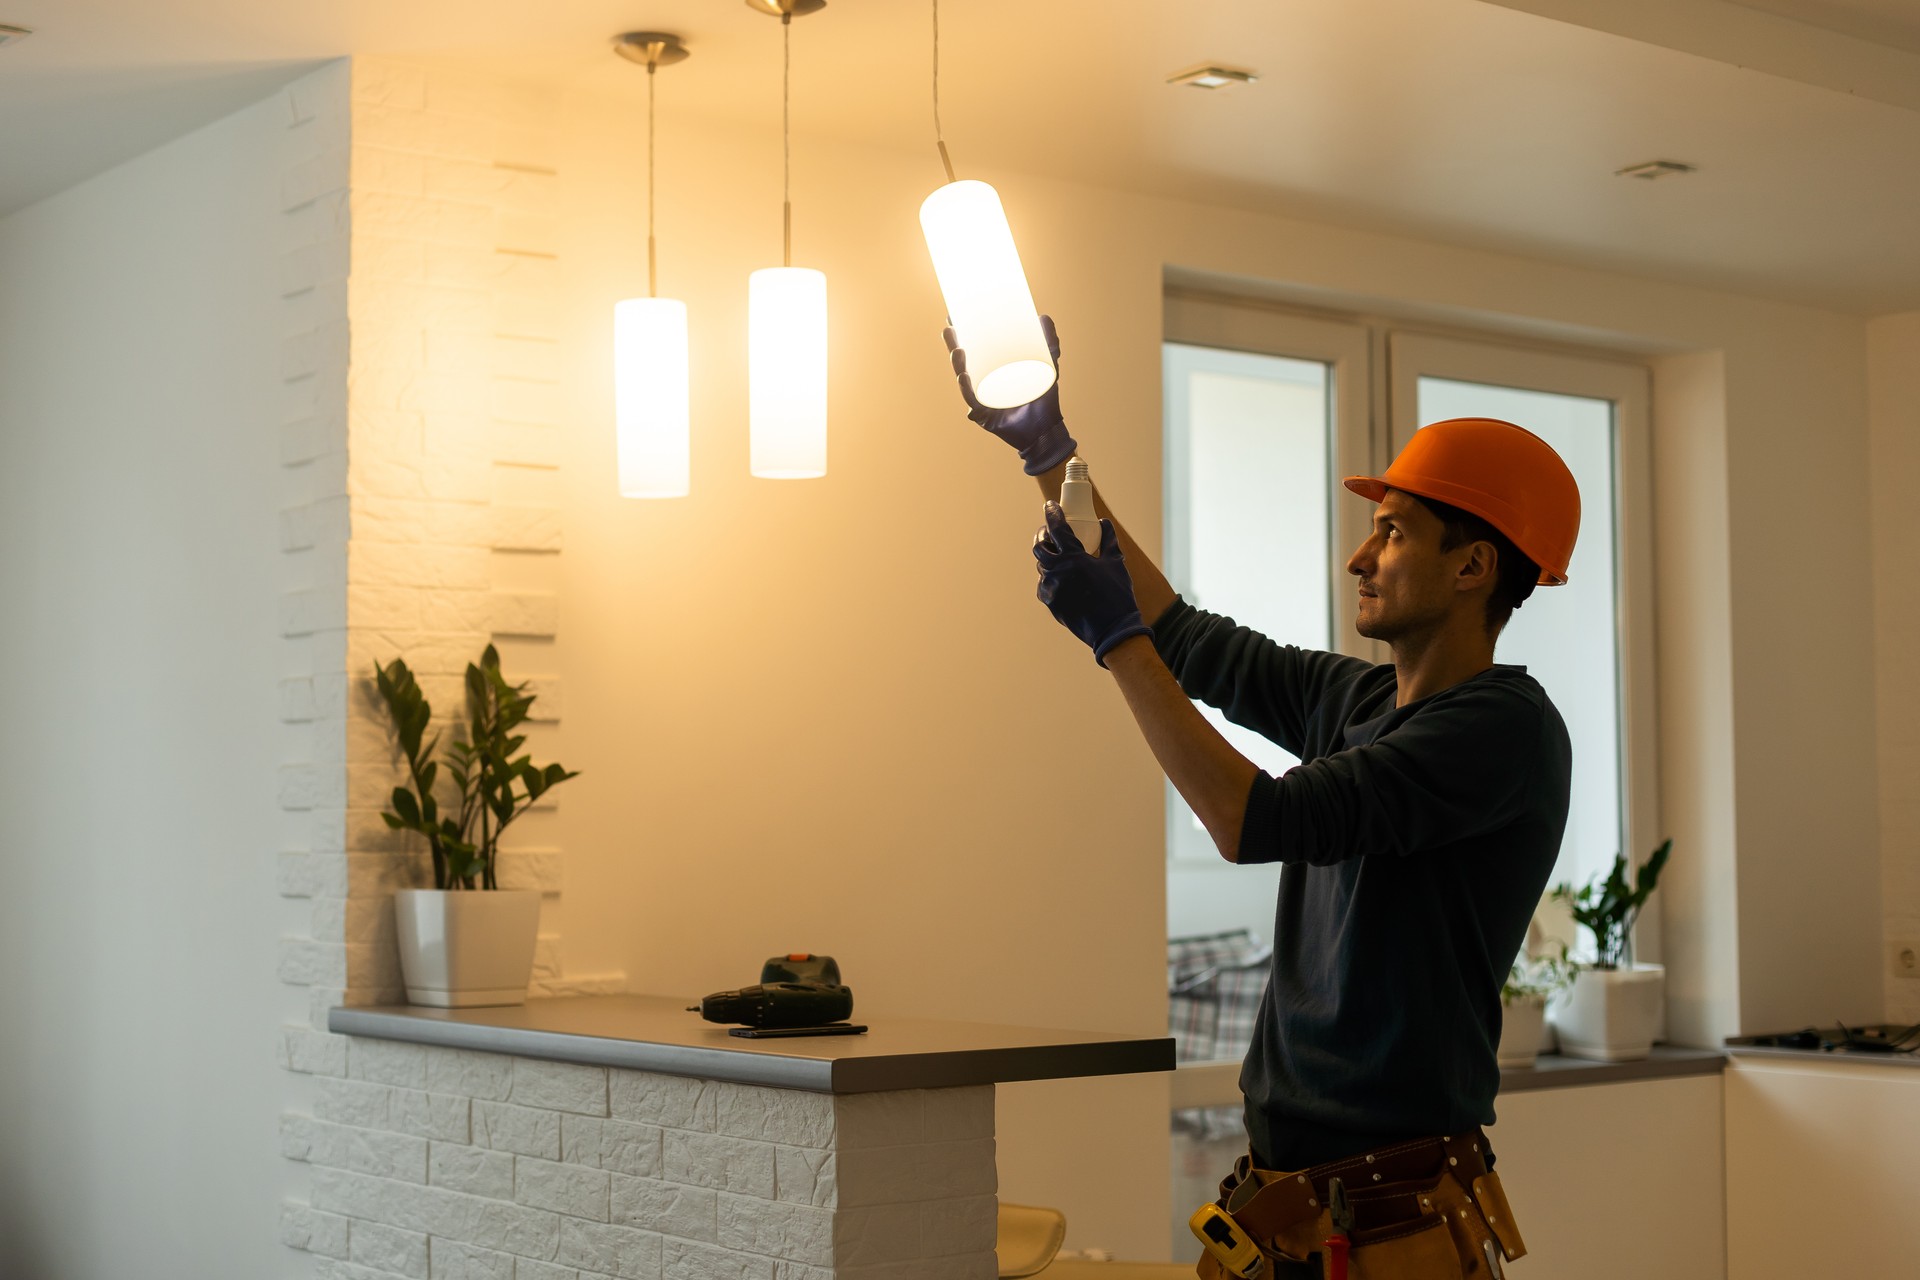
1375 365
1231 324
1227 324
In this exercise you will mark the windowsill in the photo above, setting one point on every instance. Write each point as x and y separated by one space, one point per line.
1217 1084
1555 1071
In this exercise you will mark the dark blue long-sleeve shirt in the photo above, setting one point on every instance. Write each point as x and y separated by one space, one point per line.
1417 842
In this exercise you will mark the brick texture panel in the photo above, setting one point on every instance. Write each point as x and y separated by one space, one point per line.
469 1164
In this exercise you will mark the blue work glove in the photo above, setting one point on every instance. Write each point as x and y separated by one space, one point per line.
1091 596
1036 429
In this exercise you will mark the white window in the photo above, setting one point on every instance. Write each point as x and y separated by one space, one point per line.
1266 411
1583 640
1262 408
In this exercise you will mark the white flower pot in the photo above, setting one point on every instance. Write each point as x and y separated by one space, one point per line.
1611 1015
1520 1031
466 947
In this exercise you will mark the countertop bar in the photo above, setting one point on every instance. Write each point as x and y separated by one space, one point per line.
1822 1057
656 1033
1552 1071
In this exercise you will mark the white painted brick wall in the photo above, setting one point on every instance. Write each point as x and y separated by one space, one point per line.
312 610
389 1249
471 1170
437 230
673 1179
438 205
564 1188
525 1131
323 1234
474 1075
454 1261
559 1086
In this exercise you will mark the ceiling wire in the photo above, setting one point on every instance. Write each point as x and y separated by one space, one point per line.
786 135
939 139
653 270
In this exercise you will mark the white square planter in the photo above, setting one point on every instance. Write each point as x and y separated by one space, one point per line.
1611 1015
465 947
1522 1025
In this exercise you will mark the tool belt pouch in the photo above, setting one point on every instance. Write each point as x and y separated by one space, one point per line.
1492 1200
1423 1249
1440 1229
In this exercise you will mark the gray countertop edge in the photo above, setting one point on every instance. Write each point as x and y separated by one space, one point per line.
847 1075
1002 1066
1818 1056
594 1051
1552 1071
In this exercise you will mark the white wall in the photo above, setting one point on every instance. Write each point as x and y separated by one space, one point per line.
1701 942
140 395
1893 353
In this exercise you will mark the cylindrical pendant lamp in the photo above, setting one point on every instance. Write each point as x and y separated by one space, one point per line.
652 424
787 320
988 301
787 372
651 417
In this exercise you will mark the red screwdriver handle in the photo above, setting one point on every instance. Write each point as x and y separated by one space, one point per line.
1336 1257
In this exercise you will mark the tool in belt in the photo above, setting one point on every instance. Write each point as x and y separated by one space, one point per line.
1426 1210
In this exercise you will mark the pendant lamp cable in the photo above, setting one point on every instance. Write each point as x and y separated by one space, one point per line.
786 136
939 140
653 270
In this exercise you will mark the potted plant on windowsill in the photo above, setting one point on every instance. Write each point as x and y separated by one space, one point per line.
1612 1010
1529 986
466 941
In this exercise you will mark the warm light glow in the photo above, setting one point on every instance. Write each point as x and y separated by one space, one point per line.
650 397
988 302
787 373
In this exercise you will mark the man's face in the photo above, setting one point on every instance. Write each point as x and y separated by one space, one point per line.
1407 583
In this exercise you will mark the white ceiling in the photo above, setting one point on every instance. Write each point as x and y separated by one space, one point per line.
1476 123
1889 22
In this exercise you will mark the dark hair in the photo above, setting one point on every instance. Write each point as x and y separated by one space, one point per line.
1517 574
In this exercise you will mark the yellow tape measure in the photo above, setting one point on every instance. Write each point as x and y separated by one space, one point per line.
1226 1241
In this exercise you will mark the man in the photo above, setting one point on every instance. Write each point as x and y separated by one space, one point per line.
1418 832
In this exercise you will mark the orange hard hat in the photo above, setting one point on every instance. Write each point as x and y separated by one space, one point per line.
1502 473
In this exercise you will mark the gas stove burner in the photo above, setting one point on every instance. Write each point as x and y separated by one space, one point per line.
1883 1038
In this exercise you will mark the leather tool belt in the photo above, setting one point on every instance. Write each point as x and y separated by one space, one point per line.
1426 1210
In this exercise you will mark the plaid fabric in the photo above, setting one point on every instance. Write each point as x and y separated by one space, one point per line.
1214 985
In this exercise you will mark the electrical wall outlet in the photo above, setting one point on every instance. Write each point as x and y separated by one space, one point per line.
1904 958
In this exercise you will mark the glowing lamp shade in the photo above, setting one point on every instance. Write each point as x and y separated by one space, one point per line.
988 301
650 397
787 373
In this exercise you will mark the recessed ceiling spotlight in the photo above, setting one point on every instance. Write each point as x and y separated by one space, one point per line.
1654 169
1207 75
12 35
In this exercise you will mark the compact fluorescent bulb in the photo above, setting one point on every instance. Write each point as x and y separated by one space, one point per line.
988 301
787 373
650 397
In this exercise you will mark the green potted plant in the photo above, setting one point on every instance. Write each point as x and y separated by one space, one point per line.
466 941
1530 984
1612 1010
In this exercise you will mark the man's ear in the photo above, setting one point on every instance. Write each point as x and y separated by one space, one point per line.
1480 568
